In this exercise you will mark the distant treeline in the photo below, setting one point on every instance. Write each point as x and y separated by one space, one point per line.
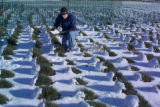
112 0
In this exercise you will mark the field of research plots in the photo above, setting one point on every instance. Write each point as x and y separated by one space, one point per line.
111 66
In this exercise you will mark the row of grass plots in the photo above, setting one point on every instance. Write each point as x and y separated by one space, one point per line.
8 42
139 60
94 11
112 65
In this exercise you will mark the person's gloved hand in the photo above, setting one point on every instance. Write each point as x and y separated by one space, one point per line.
63 33
53 28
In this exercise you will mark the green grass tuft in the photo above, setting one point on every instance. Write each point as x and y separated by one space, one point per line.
46 70
106 70
132 39
6 57
129 60
133 68
49 94
6 74
42 60
143 102
34 36
43 80
38 44
81 32
36 31
112 54
149 56
8 51
106 36
5 84
129 89
130 47
156 49
3 31
70 62
158 86
80 81
101 59
76 71
97 104
80 45
87 54
147 44
83 49
110 66
150 38
89 95
49 104
12 40
91 40
146 77
3 99
60 50
36 52
118 76
96 29
54 39
105 48
159 60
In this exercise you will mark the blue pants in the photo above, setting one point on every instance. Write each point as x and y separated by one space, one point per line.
68 40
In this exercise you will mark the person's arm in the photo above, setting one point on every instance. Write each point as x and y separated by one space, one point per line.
73 23
57 23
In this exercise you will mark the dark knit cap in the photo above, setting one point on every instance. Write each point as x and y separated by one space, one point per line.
64 10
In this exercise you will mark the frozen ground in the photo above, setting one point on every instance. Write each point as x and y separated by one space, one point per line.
108 60
100 82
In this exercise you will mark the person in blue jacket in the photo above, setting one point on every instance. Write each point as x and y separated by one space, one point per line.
68 23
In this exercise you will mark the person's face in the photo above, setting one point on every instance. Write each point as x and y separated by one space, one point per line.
65 16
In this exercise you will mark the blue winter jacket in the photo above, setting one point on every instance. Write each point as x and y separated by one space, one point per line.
68 24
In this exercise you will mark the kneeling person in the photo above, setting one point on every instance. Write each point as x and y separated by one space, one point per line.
68 24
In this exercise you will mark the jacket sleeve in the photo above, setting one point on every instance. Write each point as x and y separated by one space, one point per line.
73 23
57 22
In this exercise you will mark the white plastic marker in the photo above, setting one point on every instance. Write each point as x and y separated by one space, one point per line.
55 32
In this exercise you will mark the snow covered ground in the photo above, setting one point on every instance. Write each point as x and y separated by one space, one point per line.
112 65
100 82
